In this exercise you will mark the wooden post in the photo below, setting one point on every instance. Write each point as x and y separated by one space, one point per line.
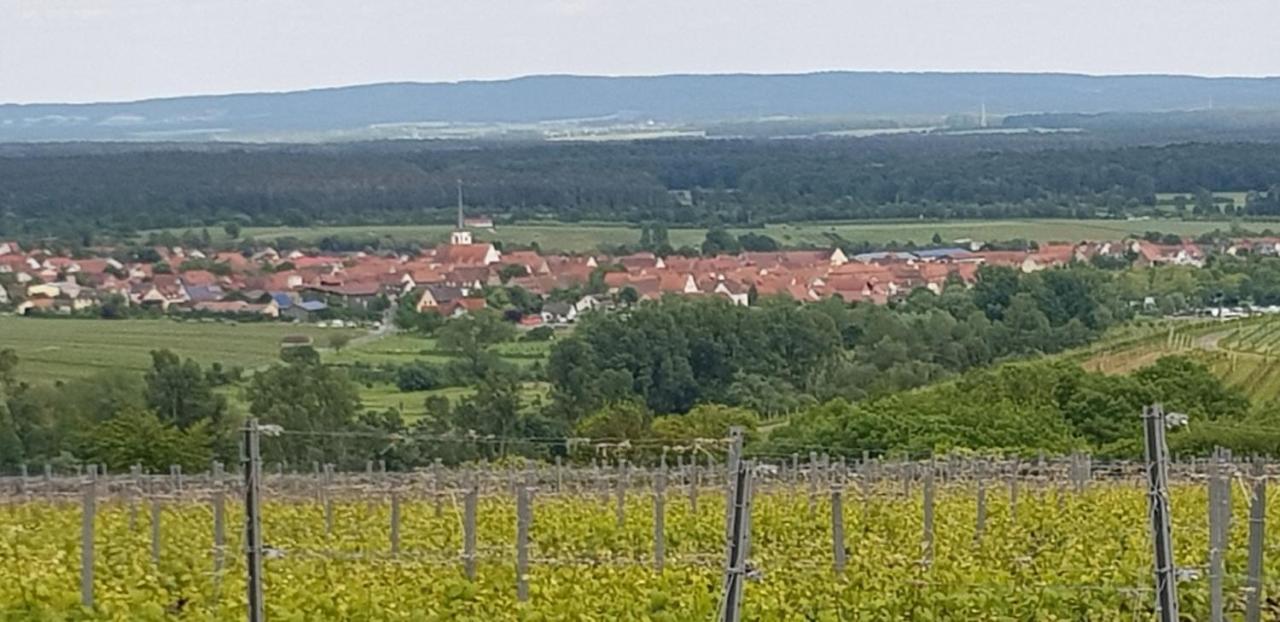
620 509
660 519
219 528
524 516
395 523
1216 544
89 512
981 526
469 530
928 514
155 530
837 528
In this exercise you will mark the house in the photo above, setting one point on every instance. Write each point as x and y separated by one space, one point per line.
433 296
478 222
8 247
269 309
468 254
559 313
587 303
304 311
4 296
461 306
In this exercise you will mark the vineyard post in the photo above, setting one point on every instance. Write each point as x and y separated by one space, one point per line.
395 523
693 484
795 468
837 527
437 474
660 518
22 478
813 484
982 502
328 500
155 529
1215 539
219 526
1013 493
559 474
1257 533
175 473
469 528
620 509
251 462
524 516
1157 458
735 457
133 489
88 513
928 513
48 479
738 540
368 469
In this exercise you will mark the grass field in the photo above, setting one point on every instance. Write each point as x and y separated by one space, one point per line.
53 349
589 236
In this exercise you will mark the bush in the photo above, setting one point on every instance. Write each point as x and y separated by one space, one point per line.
417 377
541 333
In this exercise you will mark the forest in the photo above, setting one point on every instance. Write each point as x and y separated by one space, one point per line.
93 191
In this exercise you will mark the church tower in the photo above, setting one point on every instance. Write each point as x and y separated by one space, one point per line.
460 235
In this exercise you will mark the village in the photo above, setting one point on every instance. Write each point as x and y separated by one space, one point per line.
450 279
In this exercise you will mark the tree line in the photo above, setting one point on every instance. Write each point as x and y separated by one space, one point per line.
115 191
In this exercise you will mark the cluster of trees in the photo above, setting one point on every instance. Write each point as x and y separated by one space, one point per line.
780 356
122 189
1026 408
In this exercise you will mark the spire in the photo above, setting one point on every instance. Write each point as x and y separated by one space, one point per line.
460 205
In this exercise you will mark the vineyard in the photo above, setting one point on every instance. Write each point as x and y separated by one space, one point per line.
879 541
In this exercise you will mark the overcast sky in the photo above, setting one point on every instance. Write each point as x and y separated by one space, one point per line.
93 50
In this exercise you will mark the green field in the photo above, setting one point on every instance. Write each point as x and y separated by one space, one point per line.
586 237
404 348
53 349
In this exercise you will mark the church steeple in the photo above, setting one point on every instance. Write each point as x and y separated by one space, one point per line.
460 234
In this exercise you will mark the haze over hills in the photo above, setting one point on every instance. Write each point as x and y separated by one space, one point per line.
541 106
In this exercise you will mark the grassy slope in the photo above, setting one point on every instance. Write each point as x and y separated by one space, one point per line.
52 349
585 237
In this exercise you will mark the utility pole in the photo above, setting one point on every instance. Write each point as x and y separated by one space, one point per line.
1157 454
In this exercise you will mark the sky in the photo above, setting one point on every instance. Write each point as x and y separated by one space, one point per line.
100 50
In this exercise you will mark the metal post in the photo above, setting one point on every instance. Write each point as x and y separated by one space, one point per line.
981 526
135 486
1257 533
735 456
738 543
175 471
660 519
559 474
88 513
469 530
1158 496
251 462
524 516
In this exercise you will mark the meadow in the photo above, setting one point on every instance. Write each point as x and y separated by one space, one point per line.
53 349
582 237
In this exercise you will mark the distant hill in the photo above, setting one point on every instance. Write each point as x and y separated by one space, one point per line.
419 109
